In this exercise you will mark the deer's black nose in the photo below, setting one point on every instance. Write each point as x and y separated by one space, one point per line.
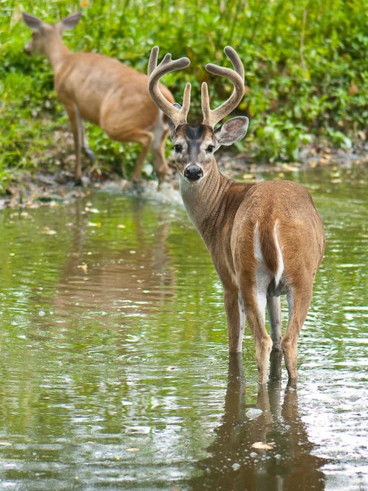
193 172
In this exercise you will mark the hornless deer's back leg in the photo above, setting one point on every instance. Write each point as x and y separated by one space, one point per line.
86 148
76 126
160 132
158 154
145 139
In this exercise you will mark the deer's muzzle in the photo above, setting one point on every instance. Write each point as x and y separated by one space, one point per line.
193 172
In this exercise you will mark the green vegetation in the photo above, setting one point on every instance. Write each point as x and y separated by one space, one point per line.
305 61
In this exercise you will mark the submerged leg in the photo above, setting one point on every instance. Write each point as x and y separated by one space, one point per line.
275 365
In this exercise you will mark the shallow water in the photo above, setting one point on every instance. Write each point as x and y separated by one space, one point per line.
113 355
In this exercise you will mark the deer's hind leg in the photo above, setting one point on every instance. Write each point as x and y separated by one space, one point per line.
77 130
255 300
85 146
145 139
299 299
160 133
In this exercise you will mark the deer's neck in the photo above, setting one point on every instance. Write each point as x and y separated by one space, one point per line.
212 204
56 52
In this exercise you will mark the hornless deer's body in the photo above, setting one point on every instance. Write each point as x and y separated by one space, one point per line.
103 91
265 239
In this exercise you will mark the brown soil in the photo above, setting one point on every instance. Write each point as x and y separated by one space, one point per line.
35 189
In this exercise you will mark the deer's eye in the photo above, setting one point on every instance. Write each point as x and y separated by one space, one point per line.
178 148
210 149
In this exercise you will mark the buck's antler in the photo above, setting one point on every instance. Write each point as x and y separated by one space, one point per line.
176 113
236 76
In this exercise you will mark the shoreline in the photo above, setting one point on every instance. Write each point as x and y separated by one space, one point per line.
32 189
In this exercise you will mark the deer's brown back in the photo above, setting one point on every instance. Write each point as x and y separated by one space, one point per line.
107 92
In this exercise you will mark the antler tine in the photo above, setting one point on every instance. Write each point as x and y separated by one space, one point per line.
236 76
155 72
152 63
235 60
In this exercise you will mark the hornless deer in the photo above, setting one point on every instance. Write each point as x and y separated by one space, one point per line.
265 239
104 91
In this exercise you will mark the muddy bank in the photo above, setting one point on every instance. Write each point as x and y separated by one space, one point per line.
32 189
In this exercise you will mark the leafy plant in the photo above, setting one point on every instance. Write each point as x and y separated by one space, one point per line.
305 69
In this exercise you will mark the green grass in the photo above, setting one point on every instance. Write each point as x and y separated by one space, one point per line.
305 62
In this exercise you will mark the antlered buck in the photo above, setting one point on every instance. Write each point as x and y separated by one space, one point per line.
104 91
265 239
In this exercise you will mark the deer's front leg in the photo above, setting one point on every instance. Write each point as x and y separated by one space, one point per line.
235 318
274 314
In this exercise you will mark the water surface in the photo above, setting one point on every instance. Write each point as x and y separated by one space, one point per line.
113 355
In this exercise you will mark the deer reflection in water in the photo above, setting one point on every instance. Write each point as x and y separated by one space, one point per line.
129 275
261 451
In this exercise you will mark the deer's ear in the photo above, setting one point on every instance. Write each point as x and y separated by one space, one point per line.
32 22
232 131
71 21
